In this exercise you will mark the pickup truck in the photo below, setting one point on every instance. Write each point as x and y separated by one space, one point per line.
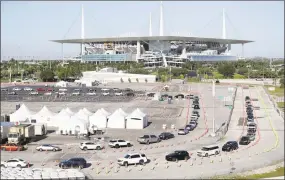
147 139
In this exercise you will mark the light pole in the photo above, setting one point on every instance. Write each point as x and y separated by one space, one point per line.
248 66
214 94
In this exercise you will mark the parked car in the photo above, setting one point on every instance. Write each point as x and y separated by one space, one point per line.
193 123
12 93
177 155
76 93
244 140
189 96
147 139
90 146
247 98
251 125
73 162
4 89
196 106
11 147
196 113
194 118
133 158
166 135
105 93
251 136
27 89
62 89
183 131
41 89
50 89
62 93
47 147
14 162
116 143
250 118
33 93
230 146
251 130
90 93
17 89
130 94
209 150
118 93
189 127
47 94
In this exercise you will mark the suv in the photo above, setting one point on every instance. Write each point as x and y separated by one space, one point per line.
147 139
166 135
244 140
133 158
209 150
230 146
251 136
73 162
119 143
196 106
190 127
177 155
194 118
247 98
196 113
90 145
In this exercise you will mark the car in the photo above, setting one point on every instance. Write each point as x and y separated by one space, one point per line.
73 162
130 94
166 135
4 89
189 127
12 93
14 162
62 93
179 96
250 118
41 89
247 98
244 140
196 97
196 106
117 143
177 155
128 90
194 117
27 89
196 113
76 93
115 89
209 150
11 147
193 123
62 89
183 131
50 89
251 136
90 93
16 89
251 125
147 139
47 94
105 93
34 93
118 93
132 158
189 96
230 146
90 146
249 110
47 147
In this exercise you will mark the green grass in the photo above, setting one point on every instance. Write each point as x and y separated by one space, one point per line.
280 105
276 173
278 91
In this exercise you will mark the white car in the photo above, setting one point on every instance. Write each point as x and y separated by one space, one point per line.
62 93
17 89
34 93
194 117
14 162
62 89
91 94
132 158
209 150
118 93
28 89
105 93
119 143
47 147
76 93
47 93
90 146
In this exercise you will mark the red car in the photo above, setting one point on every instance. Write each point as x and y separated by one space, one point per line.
41 89
11 147
50 89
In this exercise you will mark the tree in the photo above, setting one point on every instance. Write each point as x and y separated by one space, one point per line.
181 76
242 71
227 70
282 81
47 75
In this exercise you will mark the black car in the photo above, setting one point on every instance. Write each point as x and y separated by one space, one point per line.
130 94
177 155
166 135
250 113
247 98
196 112
230 146
73 162
179 96
190 127
245 140
249 110
196 106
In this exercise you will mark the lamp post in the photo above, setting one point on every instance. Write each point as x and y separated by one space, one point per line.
248 66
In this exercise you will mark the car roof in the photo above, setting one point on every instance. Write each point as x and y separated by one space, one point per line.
210 146
134 154
180 151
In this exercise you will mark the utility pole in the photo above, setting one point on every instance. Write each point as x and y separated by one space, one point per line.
10 76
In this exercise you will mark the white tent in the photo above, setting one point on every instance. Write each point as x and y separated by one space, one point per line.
98 119
44 116
136 120
22 114
87 111
61 119
61 84
82 115
77 125
117 119
69 111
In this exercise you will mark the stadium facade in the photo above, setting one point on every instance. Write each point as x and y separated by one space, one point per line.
155 51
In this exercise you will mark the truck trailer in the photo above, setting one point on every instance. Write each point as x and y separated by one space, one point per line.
5 127
40 128
21 133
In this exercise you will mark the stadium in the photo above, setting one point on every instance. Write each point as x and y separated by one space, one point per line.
155 51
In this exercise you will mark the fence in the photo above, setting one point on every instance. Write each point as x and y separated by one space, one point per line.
279 111
225 126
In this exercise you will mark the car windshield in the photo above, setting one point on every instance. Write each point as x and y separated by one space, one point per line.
112 141
205 149
21 160
127 156
181 129
244 138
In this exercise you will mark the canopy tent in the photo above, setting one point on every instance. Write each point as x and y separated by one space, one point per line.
82 115
136 120
87 111
44 116
69 111
61 119
77 125
117 119
21 115
98 119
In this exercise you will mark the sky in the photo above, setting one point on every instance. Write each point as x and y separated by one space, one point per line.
27 27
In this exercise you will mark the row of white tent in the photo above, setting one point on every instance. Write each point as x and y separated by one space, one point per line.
83 120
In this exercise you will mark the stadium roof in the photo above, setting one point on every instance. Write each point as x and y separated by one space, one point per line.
151 38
